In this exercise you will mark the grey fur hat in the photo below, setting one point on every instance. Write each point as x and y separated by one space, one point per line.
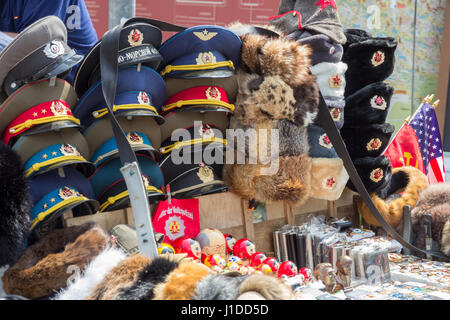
313 16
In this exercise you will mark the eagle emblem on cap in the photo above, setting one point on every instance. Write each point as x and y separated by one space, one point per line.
143 98
205 35
324 141
378 58
378 102
374 144
335 81
67 193
377 175
213 93
206 58
69 150
134 138
58 108
135 37
329 183
205 173
54 49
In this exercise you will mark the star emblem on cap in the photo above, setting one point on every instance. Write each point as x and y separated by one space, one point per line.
135 37
374 144
206 58
325 3
329 183
324 141
212 93
58 108
378 102
143 98
378 58
134 138
335 81
377 175
336 114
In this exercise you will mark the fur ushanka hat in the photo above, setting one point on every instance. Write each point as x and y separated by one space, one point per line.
276 91
311 16
323 48
370 104
42 269
372 57
368 140
403 189
375 173
15 206
328 174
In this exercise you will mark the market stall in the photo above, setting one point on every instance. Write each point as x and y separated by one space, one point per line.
238 162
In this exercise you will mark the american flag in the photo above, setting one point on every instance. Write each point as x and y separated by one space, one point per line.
425 124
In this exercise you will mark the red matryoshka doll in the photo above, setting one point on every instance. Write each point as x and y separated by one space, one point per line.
287 268
244 249
257 259
273 263
190 246
306 272
230 242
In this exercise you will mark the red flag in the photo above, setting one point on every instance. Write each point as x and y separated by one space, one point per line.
178 219
404 149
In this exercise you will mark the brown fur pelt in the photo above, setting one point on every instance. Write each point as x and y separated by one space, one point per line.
413 181
181 283
435 200
266 286
43 268
121 276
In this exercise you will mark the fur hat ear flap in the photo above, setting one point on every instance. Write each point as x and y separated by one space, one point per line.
331 78
15 206
375 173
291 182
323 49
403 189
42 269
367 140
328 178
371 103
218 287
370 56
319 143
336 107
445 241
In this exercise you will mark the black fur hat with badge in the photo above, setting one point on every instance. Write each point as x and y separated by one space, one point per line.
375 173
371 104
368 140
15 206
373 57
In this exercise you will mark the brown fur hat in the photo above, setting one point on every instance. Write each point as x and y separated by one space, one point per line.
408 180
43 267
434 200
121 276
180 284
291 62
261 98
266 286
